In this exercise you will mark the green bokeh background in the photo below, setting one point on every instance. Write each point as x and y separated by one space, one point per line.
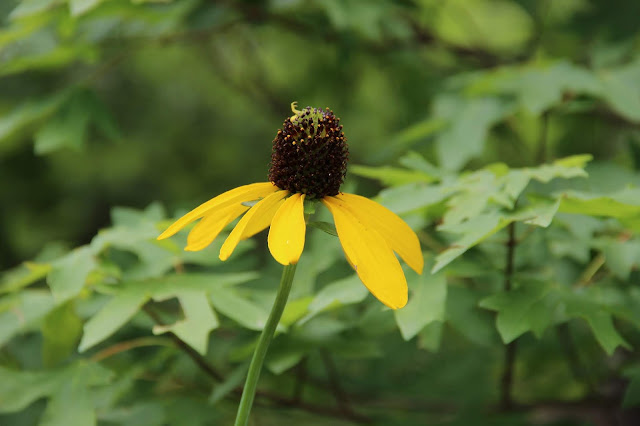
198 89
108 103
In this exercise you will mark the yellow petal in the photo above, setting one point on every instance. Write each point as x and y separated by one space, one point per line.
394 230
370 255
256 219
210 226
235 196
286 236
263 218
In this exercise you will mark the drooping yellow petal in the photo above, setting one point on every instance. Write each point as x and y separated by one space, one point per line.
210 226
287 233
263 219
256 219
370 255
235 196
394 230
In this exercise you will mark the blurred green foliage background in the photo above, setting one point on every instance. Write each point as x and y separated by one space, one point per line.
179 100
108 103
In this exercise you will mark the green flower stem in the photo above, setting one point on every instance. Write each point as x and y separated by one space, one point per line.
249 391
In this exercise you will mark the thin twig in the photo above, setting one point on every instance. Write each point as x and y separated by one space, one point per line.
334 382
590 271
276 399
313 408
301 380
506 383
128 345
188 350
427 240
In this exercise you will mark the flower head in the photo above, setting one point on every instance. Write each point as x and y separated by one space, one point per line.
308 162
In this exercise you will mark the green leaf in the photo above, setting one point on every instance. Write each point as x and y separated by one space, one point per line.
469 123
130 296
520 310
410 136
23 276
68 128
69 274
233 380
412 196
427 304
594 205
199 321
539 213
68 389
295 310
173 285
31 7
70 406
117 312
72 402
27 115
621 256
390 176
464 315
343 292
80 7
473 232
22 310
57 56
237 308
61 330
572 162
430 336
632 393
598 318
567 168
621 90
414 161
19 389
497 25
286 352
327 227
541 88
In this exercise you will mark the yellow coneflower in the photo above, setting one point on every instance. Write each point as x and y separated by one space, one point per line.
309 163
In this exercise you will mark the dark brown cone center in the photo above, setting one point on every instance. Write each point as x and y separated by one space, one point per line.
310 154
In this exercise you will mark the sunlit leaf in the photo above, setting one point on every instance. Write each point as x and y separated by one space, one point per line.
199 321
23 276
390 176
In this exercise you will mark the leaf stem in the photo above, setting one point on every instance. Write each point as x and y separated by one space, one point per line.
590 271
249 391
